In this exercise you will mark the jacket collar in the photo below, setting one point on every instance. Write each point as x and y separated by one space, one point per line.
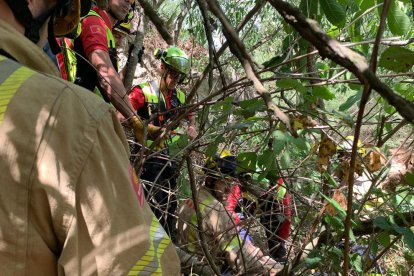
24 51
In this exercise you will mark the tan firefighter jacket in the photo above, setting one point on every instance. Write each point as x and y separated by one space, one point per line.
70 204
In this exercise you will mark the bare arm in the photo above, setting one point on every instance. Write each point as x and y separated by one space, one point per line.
192 131
111 82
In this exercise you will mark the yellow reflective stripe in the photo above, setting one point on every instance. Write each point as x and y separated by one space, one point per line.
150 263
12 76
233 244
193 233
70 60
149 94
181 96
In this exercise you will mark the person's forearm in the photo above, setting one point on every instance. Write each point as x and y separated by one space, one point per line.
111 83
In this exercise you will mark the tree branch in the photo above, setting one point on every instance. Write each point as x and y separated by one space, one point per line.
239 50
342 55
157 21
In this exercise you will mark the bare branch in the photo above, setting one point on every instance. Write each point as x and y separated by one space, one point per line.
342 55
157 21
239 50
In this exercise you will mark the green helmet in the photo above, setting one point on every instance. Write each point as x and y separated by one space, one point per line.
174 58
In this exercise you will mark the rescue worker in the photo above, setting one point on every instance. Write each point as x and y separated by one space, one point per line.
97 65
219 229
159 102
70 202
274 205
124 32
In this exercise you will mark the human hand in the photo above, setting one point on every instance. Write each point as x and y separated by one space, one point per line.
192 132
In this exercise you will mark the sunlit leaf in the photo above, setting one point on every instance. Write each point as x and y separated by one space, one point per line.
366 4
323 92
334 12
398 21
397 59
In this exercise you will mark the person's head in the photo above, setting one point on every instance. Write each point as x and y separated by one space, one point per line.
33 16
175 66
220 171
119 9
219 187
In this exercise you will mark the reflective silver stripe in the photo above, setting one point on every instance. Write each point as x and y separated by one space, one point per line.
150 263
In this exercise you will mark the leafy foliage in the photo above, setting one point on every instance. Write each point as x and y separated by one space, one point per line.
322 99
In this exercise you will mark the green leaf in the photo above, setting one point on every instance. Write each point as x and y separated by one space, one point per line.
313 260
285 160
384 238
350 101
280 136
382 223
247 161
309 8
335 222
212 147
266 160
397 59
335 204
252 104
366 4
334 12
274 61
331 180
278 146
407 234
351 235
356 262
301 143
409 178
398 21
346 118
323 92
291 83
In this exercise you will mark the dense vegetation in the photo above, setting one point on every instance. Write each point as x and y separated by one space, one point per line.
282 85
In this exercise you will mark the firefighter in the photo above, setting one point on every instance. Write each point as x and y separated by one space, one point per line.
92 63
124 33
70 201
219 229
159 102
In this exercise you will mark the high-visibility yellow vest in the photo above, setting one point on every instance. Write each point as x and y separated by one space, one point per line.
157 105
12 76
72 59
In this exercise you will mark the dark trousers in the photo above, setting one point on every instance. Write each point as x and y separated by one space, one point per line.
161 195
